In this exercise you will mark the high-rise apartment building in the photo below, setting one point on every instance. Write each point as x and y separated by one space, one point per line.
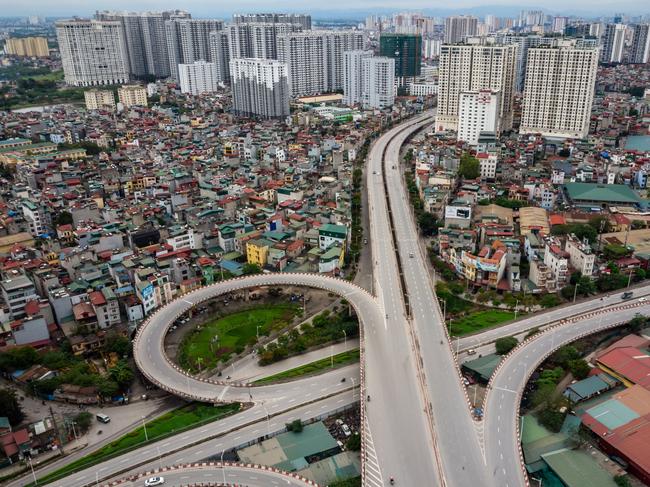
641 44
613 41
198 78
99 99
378 82
27 46
302 20
257 40
93 52
406 50
559 90
146 39
431 48
220 54
560 24
478 111
260 88
459 27
353 76
315 59
188 40
132 95
475 67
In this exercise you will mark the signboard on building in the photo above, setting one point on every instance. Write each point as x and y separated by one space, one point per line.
459 212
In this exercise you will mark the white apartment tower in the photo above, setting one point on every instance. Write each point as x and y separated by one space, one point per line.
378 82
198 77
257 40
613 42
220 54
641 44
188 40
559 90
315 59
457 28
93 52
259 87
471 68
353 76
478 111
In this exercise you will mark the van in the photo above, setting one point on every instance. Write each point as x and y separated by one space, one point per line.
102 418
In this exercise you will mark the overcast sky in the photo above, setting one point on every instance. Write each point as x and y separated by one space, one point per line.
222 9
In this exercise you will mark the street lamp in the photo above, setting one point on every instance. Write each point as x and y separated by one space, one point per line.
345 339
352 379
258 333
32 467
575 292
268 420
144 425
223 467
199 360
516 306
159 457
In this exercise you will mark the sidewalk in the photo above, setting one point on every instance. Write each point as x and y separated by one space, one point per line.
247 369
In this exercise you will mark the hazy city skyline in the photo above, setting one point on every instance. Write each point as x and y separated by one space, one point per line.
335 8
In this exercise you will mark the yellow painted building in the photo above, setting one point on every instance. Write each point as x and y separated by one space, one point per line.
257 251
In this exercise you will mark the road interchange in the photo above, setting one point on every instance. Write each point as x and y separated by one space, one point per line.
408 367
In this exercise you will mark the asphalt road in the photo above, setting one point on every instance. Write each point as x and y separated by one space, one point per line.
202 443
504 395
233 475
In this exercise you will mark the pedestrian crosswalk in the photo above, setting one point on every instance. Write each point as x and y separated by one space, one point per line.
372 473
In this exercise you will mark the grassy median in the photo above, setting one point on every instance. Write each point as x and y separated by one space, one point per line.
339 360
480 320
181 419
217 339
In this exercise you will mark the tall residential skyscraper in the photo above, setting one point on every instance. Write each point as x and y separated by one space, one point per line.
315 59
220 54
475 67
188 40
27 46
92 52
257 40
406 50
559 90
457 28
641 44
303 20
198 77
378 82
613 41
523 43
353 76
146 41
259 88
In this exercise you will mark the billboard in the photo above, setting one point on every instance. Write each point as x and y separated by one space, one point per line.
458 212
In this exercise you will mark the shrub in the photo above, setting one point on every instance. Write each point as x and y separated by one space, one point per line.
505 344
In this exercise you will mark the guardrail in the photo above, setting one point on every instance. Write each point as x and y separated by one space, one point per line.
209 466
550 329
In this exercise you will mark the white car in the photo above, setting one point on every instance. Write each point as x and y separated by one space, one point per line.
642 300
150 482
346 430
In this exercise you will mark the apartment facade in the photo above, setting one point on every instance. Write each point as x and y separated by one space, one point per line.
99 99
132 95
459 27
93 52
353 76
378 82
198 77
27 46
475 67
260 88
559 91
188 40
478 111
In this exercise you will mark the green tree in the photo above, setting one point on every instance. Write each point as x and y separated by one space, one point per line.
615 251
564 355
469 167
107 388
122 374
63 218
600 224
637 323
586 286
10 407
251 269
55 360
19 358
568 291
295 426
579 368
505 344
549 300
118 343
575 277
354 443
84 420
622 481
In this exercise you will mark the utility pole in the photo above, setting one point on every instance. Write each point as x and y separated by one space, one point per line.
575 292
58 432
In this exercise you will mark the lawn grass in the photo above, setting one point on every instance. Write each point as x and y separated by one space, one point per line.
479 320
51 76
340 359
234 332
183 418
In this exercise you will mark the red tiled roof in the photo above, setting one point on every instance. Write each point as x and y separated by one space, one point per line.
97 298
629 362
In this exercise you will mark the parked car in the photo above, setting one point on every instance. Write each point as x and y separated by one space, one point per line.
102 418
346 430
152 481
